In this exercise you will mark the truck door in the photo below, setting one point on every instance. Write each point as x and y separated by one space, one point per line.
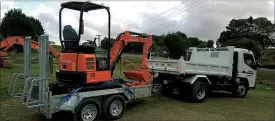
249 68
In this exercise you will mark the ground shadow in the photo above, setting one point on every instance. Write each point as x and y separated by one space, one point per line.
185 99
59 116
219 94
133 104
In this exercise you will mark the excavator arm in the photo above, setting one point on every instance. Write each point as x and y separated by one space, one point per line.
142 75
8 42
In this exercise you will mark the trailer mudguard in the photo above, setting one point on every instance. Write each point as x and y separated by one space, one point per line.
194 78
76 98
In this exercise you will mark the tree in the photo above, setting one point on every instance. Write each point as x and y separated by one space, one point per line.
245 43
158 45
193 41
133 47
258 30
104 42
250 20
16 23
202 44
182 35
210 44
37 28
175 44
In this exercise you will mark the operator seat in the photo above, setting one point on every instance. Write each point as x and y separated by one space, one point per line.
70 37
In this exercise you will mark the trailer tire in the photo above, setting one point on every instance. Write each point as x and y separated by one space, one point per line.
113 107
87 106
199 92
241 90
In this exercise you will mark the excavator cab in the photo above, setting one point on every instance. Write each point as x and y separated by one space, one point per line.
79 63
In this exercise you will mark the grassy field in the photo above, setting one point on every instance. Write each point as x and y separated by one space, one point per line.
268 59
258 105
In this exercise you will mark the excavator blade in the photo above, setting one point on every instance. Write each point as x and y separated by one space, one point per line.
143 76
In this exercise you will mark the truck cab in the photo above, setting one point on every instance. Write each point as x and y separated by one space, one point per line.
246 65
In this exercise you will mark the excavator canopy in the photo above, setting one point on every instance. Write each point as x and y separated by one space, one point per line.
86 6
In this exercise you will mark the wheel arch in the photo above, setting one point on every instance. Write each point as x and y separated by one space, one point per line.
126 98
195 78
244 80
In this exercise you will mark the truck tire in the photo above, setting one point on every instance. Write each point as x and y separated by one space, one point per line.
87 110
241 90
113 107
199 92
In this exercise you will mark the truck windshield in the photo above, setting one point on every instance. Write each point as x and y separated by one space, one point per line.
249 60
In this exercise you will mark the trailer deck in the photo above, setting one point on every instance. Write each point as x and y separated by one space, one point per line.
68 102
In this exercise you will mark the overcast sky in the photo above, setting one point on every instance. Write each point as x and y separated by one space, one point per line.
204 19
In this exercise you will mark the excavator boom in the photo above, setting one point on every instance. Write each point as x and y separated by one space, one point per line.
142 75
8 42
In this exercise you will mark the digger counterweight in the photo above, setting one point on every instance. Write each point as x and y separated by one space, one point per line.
81 69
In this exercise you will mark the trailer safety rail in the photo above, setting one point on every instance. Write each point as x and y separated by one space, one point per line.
27 67
34 88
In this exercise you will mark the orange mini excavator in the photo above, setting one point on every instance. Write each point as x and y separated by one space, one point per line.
81 65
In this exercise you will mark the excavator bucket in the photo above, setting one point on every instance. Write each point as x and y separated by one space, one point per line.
141 76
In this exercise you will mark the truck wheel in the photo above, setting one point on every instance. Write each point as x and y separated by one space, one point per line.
114 107
87 110
241 90
199 92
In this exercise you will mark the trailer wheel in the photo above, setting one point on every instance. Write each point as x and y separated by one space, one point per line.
114 107
87 110
199 92
241 90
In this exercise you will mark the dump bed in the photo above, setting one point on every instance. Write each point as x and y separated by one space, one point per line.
204 61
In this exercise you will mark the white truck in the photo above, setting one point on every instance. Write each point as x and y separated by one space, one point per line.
205 70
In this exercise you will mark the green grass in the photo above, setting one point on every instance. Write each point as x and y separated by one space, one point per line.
266 77
258 105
